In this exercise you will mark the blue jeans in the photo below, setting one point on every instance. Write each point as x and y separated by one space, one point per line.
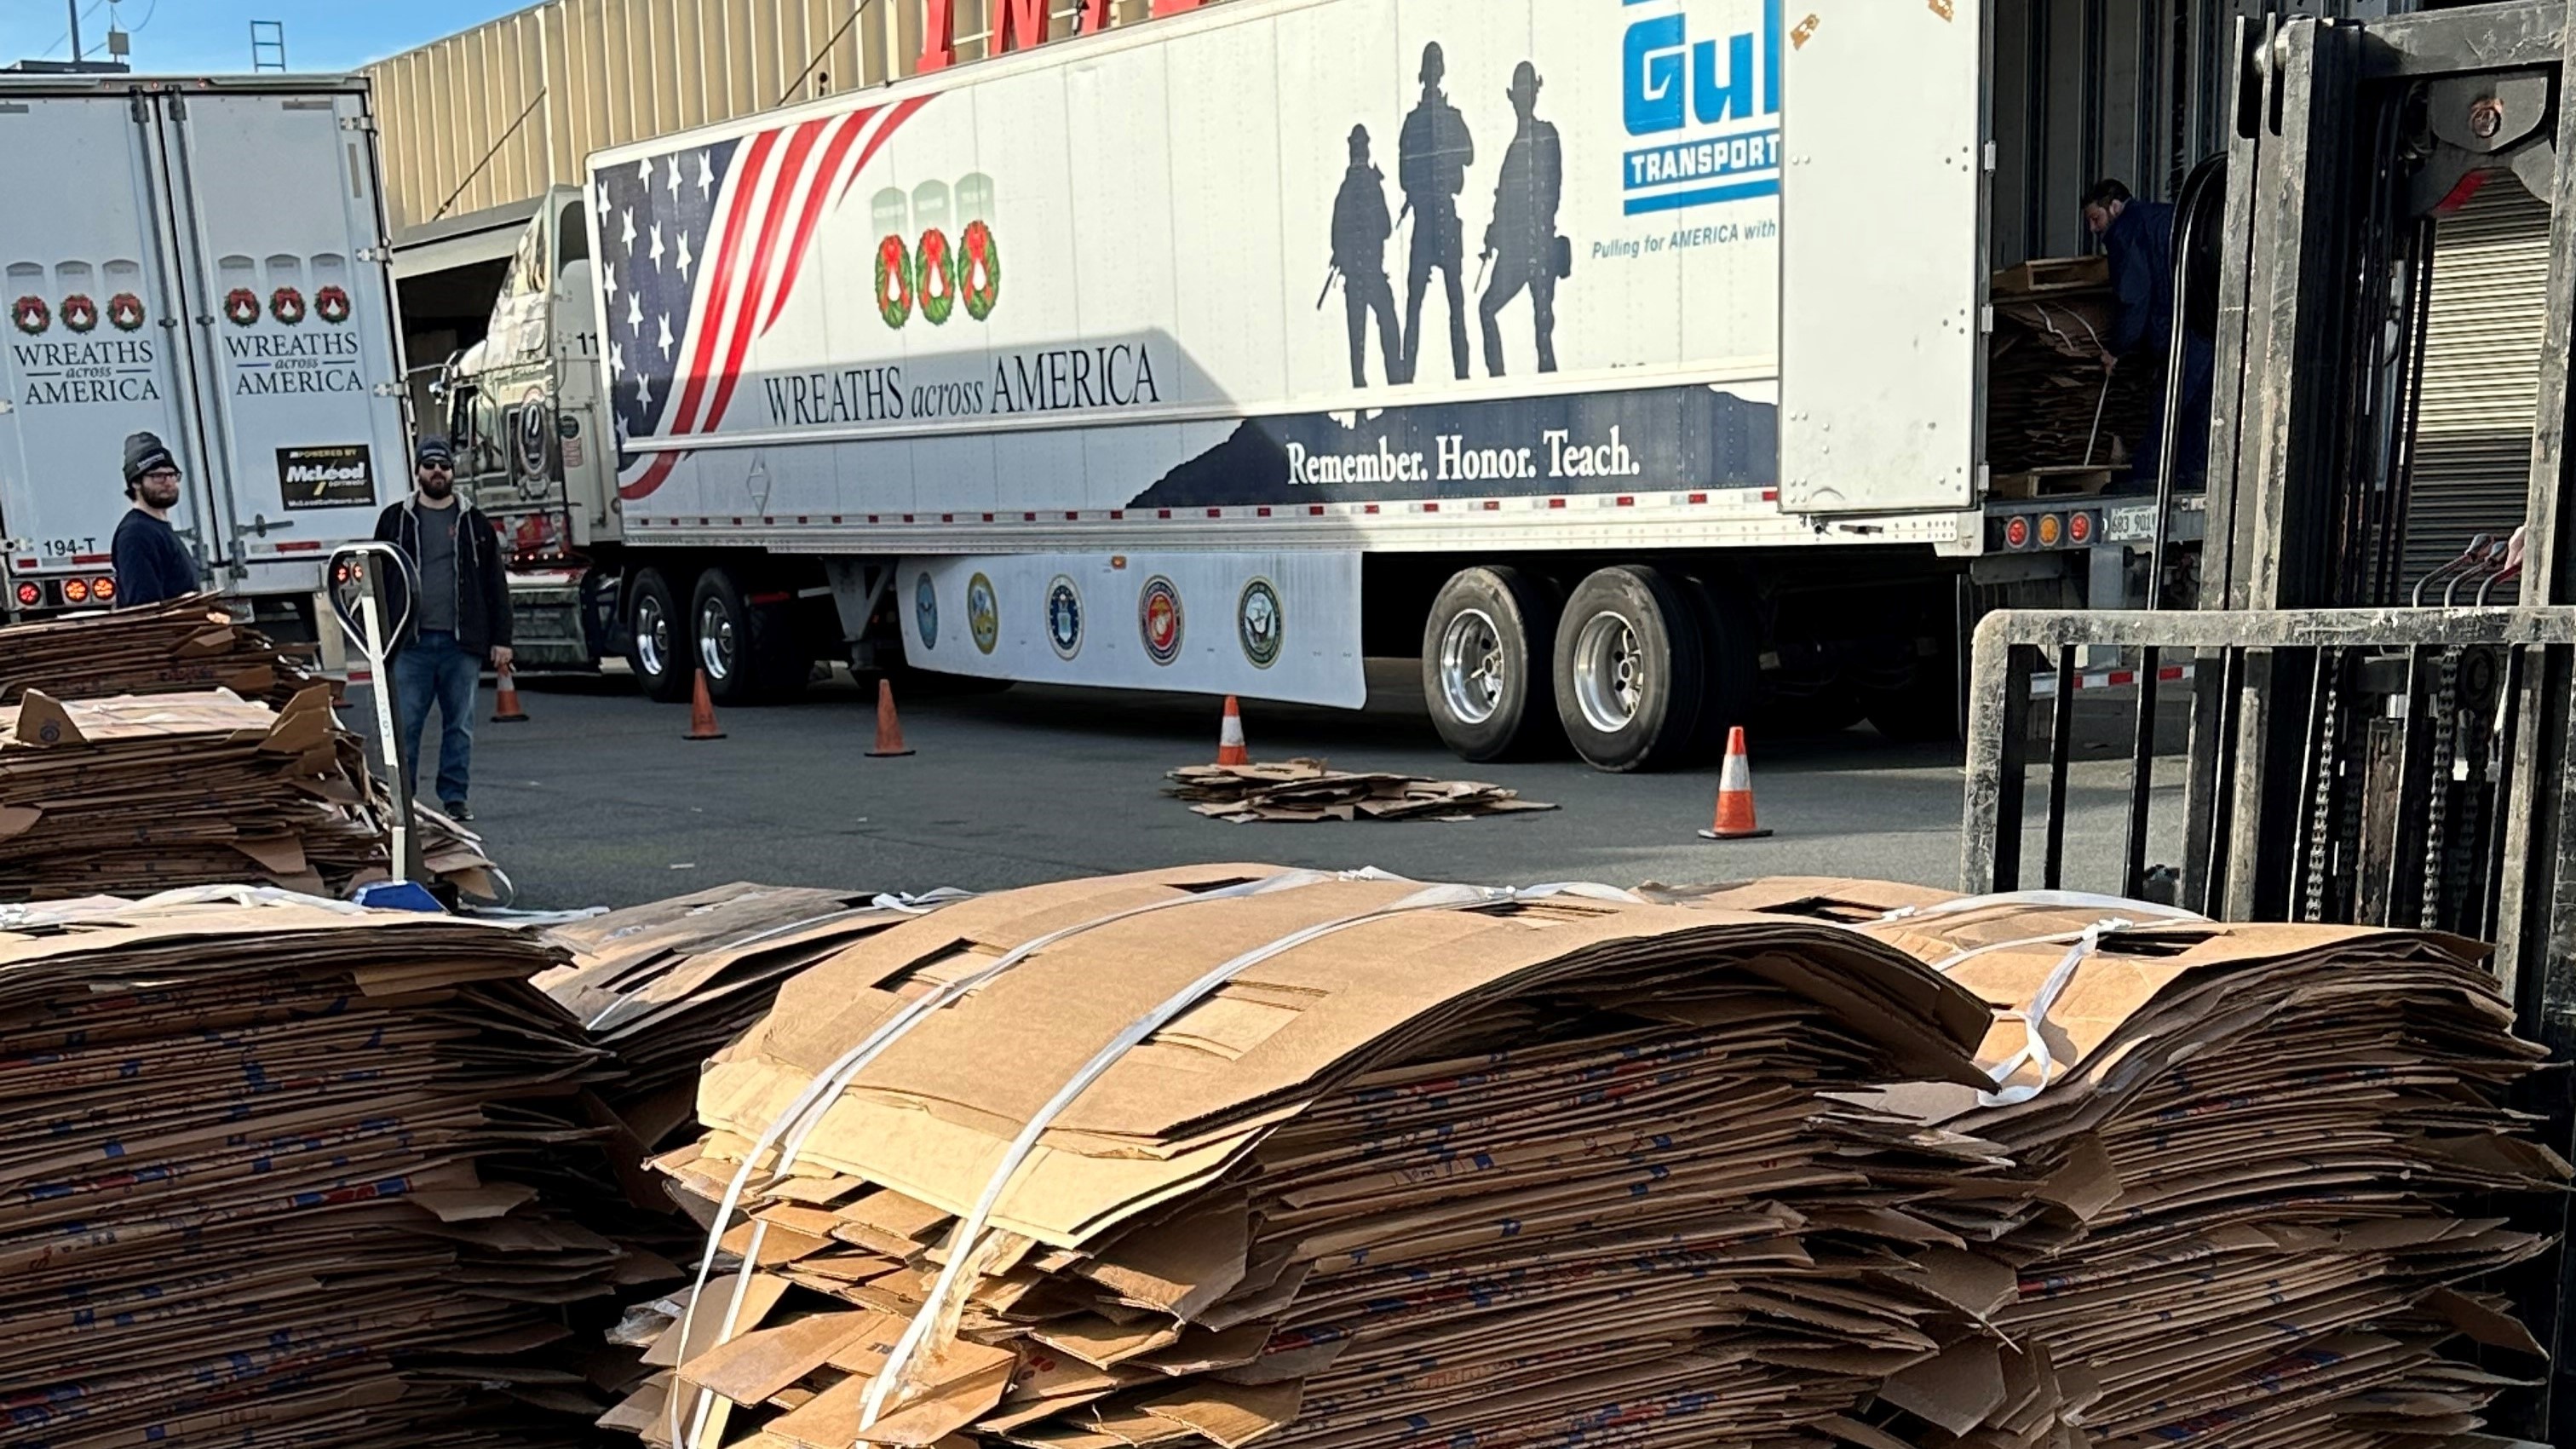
434 668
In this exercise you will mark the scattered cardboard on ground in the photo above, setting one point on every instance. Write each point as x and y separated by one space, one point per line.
1311 790
1375 1164
2269 1170
279 1174
182 646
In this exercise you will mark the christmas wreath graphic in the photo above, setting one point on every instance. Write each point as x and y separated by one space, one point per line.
30 315
981 279
894 282
125 312
937 267
80 314
241 306
286 305
331 304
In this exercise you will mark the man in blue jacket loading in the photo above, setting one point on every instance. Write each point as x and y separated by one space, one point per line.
2138 236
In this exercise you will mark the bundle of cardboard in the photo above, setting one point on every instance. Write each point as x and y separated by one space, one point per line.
139 794
2053 411
1310 790
182 646
274 1173
664 985
1231 1153
2265 1169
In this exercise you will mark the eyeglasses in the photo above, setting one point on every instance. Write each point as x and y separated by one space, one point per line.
437 467
162 475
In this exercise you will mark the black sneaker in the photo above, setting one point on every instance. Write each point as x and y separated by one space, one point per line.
458 811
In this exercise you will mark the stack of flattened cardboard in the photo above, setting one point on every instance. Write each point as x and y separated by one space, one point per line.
664 985
2261 1161
139 794
270 1175
1311 790
133 795
1228 1154
183 646
2046 385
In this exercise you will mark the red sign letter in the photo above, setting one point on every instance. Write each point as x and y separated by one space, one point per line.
938 35
1173 7
1018 24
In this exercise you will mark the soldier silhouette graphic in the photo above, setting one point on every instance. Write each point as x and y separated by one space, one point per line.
1431 163
1360 232
1522 242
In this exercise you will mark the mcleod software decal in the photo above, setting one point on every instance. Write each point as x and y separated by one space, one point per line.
1703 101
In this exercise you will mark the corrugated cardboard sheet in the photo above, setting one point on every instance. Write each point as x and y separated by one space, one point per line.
280 1175
181 646
1532 1169
2267 1179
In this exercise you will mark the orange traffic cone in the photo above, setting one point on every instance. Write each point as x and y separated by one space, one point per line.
1230 749
1735 795
505 700
890 743
702 713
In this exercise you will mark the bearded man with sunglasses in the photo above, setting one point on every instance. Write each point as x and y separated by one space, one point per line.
460 618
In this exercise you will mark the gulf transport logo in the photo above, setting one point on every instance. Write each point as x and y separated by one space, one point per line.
1158 619
1707 108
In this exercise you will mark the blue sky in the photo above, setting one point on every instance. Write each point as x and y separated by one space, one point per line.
214 35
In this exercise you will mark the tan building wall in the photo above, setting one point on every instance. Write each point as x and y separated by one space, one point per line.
493 116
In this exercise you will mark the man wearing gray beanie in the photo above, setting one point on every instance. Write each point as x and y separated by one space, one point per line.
151 563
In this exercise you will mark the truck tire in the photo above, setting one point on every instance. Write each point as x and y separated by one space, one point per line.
1731 658
658 647
1631 670
1488 665
748 650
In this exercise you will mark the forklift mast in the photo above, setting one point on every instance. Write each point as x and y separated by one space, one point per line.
2372 740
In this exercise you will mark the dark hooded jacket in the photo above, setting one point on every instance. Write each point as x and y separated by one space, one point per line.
482 584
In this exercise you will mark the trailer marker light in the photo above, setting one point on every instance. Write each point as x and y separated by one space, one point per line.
1162 513
29 596
1261 513
103 589
2079 528
1625 502
1493 505
1699 498
2017 533
1073 518
1314 510
1216 513
75 591
1431 508
1371 508
1556 503
2051 529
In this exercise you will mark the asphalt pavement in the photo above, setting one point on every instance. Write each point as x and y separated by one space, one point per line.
598 800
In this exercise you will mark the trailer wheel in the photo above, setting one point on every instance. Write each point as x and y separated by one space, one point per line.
1731 654
658 647
1929 710
1488 661
1631 670
748 650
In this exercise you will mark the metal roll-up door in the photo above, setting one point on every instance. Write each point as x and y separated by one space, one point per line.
2481 383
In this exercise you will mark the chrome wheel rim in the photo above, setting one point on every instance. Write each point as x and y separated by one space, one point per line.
652 636
715 641
1609 672
1474 669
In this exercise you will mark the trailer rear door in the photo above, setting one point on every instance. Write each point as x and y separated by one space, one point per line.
92 351
293 310
1883 272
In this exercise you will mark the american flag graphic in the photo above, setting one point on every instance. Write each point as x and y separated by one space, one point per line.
700 249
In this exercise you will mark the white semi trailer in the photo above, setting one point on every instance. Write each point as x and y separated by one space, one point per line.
205 260
1625 360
